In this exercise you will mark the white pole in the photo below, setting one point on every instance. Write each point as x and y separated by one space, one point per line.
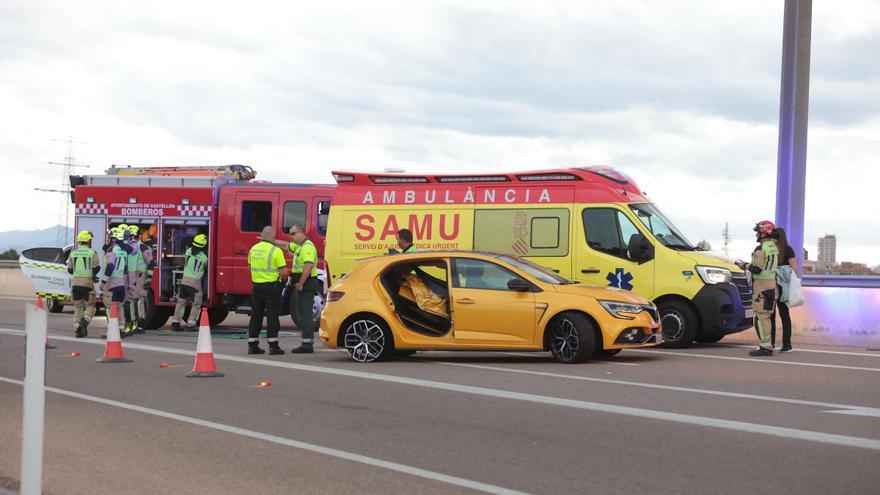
34 402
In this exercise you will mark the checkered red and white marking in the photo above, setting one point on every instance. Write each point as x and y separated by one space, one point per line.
91 209
195 210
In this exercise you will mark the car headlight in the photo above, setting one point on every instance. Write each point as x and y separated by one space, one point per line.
714 275
622 310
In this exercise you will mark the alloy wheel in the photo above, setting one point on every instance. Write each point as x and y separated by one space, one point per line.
365 340
565 343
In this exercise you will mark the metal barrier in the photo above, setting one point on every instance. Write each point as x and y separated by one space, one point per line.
9 264
852 281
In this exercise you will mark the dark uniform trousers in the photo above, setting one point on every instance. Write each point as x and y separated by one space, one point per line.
305 302
265 301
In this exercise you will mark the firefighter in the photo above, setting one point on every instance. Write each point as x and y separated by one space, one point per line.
83 265
268 268
140 261
306 288
114 286
765 258
190 288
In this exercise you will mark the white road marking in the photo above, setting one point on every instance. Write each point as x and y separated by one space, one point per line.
340 454
845 408
759 360
724 424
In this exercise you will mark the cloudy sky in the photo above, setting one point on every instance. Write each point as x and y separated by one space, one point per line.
682 95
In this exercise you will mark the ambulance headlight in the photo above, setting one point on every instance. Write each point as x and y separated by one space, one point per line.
714 274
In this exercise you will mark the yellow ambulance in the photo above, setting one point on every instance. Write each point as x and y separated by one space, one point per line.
590 224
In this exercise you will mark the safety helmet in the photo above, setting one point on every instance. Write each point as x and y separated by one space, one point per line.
764 227
84 236
118 234
200 240
133 229
122 226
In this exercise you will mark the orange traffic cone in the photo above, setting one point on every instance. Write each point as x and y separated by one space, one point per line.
40 306
113 348
204 365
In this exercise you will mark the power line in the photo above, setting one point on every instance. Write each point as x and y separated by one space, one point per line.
69 166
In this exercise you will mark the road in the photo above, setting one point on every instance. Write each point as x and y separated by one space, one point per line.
708 419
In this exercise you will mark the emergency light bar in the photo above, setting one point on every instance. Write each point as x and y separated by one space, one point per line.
546 177
398 180
475 178
343 177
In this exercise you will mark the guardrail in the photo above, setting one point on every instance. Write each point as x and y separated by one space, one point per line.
844 281
9 264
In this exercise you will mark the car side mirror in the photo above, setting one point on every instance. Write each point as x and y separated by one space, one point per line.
640 248
518 285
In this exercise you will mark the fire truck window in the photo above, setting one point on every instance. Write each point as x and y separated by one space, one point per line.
608 231
294 213
255 215
522 232
323 216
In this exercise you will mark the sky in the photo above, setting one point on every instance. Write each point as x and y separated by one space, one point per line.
681 95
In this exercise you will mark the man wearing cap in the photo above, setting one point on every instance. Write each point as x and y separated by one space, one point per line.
190 288
83 265
268 268
306 288
765 258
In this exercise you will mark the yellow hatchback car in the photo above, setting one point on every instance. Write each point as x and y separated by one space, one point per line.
402 303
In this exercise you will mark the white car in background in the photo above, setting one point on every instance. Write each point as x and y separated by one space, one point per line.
47 269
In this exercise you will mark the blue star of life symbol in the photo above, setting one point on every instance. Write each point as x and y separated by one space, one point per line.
620 279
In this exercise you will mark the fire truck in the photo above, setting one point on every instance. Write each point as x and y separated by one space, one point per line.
171 205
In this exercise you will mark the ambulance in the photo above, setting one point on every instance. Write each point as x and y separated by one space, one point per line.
171 205
590 224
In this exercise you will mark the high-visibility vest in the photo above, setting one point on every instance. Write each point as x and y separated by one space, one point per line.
121 257
307 253
770 262
264 262
136 261
195 264
82 262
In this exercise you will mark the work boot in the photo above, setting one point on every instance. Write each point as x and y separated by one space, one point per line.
274 349
84 325
175 326
785 348
78 333
760 351
254 348
302 350
139 326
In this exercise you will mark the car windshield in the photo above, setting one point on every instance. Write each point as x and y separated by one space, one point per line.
538 272
661 227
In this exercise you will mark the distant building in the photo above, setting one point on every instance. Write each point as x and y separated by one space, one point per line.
806 254
850 268
828 250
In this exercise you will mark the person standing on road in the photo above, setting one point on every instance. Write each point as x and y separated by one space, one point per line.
405 241
268 268
787 262
140 260
83 265
306 288
763 269
190 289
114 286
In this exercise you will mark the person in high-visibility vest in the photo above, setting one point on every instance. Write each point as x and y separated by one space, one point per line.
114 287
405 241
765 259
190 289
83 265
305 288
140 261
268 268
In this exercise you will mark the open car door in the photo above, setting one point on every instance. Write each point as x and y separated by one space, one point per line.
47 269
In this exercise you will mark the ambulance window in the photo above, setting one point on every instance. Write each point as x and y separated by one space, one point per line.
608 231
255 215
544 233
294 213
323 216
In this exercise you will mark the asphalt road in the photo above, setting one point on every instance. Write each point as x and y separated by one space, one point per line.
703 420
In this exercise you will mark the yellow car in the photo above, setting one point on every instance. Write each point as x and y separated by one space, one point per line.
401 303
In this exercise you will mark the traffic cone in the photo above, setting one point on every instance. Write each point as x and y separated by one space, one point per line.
113 347
40 306
204 365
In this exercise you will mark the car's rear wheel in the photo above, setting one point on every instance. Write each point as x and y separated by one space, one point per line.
368 339
572 338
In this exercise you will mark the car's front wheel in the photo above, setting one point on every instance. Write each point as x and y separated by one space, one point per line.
368 339
572 338
54 305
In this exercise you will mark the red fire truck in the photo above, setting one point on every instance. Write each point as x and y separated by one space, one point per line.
171 205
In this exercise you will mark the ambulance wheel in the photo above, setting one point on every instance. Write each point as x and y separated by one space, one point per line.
54 305
572 338
680 323
155 316
216 316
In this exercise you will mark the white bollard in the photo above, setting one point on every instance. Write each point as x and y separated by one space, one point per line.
34 402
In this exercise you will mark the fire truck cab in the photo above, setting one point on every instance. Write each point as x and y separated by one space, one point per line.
171 205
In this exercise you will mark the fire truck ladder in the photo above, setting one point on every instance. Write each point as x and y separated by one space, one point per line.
240 172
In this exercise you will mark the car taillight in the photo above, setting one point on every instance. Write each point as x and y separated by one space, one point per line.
334 295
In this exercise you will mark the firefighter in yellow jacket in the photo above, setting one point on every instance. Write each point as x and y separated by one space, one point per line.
765 258
83 265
